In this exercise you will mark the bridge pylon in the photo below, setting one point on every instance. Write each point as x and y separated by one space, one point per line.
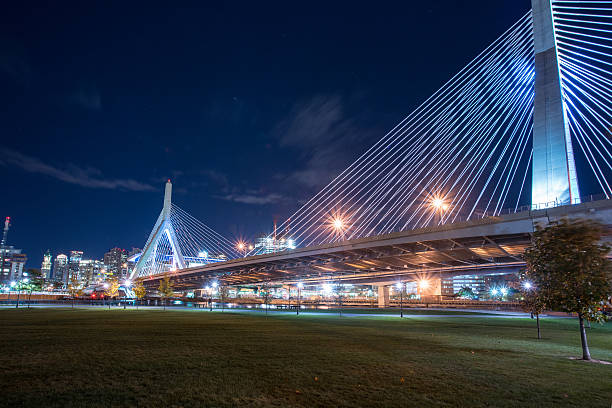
554 180
163 230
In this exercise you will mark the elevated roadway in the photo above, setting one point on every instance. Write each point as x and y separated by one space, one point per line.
486 246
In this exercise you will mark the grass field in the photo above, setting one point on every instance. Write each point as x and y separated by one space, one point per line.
97 357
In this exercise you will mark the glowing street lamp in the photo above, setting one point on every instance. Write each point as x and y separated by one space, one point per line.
527 285
400 286
338 224
300 286
241 247
439 206
214 286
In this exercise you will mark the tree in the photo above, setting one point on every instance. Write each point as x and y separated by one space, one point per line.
223 292
36 282
140 291
111 288
532 300
266 294
165 289
467 293
75 288
569 267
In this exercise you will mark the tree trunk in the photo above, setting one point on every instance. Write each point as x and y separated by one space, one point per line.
164 304
538 323
586 355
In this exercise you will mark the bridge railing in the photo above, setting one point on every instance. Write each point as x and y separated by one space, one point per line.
525 208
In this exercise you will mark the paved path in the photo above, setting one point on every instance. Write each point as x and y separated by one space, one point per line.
309 312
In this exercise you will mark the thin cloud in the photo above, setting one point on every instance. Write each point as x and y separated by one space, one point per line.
85 177
89 99
326 139
253 197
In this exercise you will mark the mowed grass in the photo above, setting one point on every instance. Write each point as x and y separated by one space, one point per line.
152 358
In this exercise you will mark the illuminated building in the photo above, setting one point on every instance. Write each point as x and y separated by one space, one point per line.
268 245
73 265
45 268
116 262
13 262
60 269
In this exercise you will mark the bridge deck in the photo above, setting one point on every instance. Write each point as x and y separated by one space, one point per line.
486 246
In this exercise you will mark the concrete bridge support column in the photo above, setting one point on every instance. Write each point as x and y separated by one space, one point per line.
383 296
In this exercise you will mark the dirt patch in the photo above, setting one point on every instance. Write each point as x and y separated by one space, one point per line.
592 361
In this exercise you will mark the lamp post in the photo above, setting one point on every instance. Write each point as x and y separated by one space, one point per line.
214 288
400 286
300 286
19 286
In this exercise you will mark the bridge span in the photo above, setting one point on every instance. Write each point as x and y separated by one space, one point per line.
488 246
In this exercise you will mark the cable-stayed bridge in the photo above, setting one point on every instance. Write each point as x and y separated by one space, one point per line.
455 187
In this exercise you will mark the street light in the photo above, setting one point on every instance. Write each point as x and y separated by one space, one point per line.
400 286
214 287
338 224
439 206
527 285
241 247
300 286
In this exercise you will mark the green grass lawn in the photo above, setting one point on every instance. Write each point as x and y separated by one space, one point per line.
152 358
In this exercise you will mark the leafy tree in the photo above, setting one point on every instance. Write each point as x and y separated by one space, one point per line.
75 288
467 293
166 289
36 281
111 288
266 294
569 267
223 293
140 291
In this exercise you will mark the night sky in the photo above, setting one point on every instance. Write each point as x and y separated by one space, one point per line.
249 108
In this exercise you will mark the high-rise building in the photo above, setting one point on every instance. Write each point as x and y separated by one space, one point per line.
73 265
45 268
91 271
13 262
116 263
60 269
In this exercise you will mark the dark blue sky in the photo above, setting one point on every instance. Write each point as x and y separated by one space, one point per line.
250 107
